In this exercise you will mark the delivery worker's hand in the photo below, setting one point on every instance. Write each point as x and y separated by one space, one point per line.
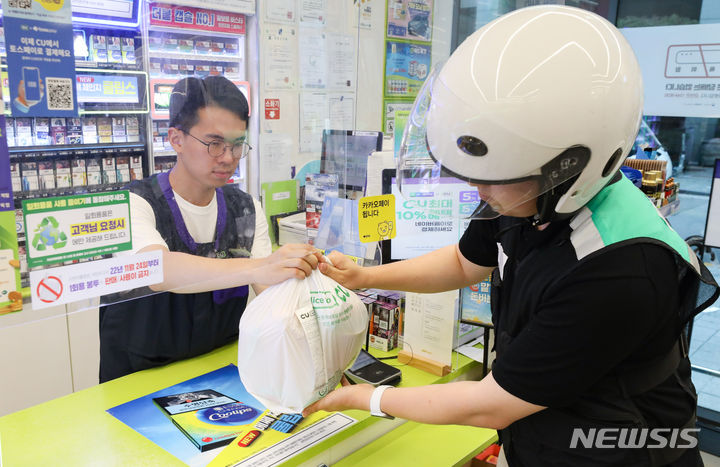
347 397
343 270
292 260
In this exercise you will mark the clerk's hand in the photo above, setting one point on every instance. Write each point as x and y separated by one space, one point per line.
343 270
295 260
347 397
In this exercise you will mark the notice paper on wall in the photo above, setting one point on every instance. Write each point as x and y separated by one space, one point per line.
429 325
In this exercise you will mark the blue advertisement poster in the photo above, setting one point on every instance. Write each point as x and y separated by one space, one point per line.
41 63
406 67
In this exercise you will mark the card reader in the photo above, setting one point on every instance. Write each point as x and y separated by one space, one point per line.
370 370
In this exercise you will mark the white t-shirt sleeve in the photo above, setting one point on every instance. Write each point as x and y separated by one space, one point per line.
142 223
261 243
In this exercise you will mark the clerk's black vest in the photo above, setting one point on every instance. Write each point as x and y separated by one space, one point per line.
159 328
619 215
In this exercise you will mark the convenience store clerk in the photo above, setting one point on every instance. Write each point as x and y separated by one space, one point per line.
213 237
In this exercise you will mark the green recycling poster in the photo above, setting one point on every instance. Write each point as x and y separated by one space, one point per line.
67 228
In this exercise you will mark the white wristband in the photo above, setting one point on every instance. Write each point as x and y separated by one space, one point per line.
375 402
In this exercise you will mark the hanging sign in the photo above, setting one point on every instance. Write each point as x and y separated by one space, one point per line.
185 17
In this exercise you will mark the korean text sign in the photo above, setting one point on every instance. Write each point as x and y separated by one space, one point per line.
75 227
41 61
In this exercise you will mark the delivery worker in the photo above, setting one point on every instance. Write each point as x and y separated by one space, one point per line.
591 288
213 238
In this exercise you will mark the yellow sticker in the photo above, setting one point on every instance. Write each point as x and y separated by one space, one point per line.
51 5
376 218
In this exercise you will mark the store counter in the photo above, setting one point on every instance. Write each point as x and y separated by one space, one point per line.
77 430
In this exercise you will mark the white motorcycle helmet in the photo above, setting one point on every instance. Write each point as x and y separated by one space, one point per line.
547 99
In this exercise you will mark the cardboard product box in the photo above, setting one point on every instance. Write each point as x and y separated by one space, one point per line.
58 130
24 131
384 326
132 125
79 176
98 48
122 167
114 50
128 50
63 177
118 130
89 130
136 172
46 173
15 178
10 131
42 131
104 129
109 173
94 172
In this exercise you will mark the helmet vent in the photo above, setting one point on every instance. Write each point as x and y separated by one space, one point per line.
611 162
472 146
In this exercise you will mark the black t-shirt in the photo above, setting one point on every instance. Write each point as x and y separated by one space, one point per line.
616 310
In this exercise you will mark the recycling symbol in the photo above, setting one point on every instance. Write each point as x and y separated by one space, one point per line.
47 235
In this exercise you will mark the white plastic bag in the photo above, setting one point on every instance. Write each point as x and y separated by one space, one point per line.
296 339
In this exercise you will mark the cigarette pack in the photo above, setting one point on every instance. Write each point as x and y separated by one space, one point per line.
132 128
128 50
122 167
23 131
98 48
202 47
217 48
104 129
216 70
114 50
196 415
170 44
136 168
186 45
46 172
79 177
42 131
10 131
118 130
58 131
74 131
94 173
109 174
15 177
63 178
89 130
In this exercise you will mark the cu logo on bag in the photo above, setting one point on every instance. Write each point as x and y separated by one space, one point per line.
341 293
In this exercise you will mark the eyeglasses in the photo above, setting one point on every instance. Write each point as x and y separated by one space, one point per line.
215 149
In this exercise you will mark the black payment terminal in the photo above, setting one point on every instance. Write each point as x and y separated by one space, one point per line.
370 370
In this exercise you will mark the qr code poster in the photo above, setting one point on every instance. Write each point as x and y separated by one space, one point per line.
40 57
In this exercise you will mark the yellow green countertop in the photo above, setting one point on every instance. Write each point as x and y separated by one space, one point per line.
76 429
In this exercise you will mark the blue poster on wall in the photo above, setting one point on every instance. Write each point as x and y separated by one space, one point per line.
406 67
41 63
